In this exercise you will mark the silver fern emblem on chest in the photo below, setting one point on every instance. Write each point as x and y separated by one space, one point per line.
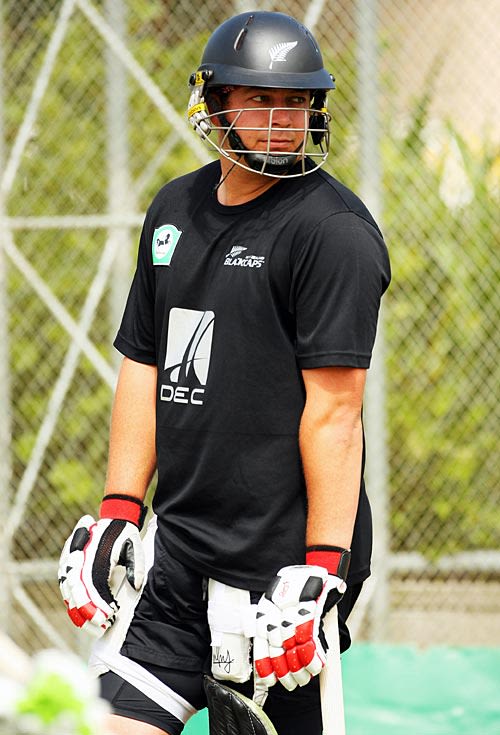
280 51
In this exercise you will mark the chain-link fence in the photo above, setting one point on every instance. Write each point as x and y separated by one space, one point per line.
92 101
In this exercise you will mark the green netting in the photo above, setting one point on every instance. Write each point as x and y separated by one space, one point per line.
399 690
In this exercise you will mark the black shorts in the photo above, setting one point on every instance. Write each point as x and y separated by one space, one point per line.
169 636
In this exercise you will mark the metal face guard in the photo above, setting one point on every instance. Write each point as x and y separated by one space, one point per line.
266 161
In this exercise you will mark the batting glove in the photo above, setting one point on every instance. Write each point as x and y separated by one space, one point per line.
91 554
289 645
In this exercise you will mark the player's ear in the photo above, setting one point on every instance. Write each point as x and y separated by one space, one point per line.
217 99
217 102
318 121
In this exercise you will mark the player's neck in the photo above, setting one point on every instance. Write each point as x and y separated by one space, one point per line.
239 186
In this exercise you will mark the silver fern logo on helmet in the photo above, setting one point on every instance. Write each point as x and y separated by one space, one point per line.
280 51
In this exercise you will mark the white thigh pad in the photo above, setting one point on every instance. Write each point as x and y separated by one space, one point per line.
231 618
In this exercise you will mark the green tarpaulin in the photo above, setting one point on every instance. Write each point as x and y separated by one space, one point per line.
399 690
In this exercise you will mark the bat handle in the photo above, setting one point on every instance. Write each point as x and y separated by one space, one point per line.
330 679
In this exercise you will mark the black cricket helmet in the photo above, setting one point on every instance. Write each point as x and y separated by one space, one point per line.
268 50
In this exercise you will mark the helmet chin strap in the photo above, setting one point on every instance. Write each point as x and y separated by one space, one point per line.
270 163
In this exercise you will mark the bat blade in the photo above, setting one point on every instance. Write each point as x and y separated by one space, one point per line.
330 679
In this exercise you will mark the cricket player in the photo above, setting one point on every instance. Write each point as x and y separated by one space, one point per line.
246 339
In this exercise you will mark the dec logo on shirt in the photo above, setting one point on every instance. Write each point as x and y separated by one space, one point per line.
187 356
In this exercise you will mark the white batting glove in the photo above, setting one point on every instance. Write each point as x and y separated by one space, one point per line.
91 554
289 645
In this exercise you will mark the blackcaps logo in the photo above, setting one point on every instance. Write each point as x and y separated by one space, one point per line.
187 357
236 257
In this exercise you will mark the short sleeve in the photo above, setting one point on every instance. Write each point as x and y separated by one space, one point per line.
136 335
339 275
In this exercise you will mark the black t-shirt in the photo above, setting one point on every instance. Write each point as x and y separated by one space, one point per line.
231 303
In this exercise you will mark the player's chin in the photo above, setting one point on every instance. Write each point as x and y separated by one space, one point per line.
277 146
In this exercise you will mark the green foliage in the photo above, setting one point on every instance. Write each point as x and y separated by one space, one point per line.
50 695
443 355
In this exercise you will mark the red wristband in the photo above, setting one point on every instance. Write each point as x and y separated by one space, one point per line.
333 558
123 508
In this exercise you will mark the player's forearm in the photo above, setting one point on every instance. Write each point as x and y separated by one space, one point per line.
331 457
132 453
331 444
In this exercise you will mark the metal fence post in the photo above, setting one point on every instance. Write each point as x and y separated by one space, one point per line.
120 188
375 400
5 404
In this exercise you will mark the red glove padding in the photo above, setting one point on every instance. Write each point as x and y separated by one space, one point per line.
91 554
288 646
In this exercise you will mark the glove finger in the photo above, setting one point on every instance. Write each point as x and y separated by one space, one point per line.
310 650
265 672
98 624
306 652
316 664
296 666
262 661
101 621
304 662
75 615
311 656
82 610
288 681
96 630
85 614
305 631
302 677
281 668
81 614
